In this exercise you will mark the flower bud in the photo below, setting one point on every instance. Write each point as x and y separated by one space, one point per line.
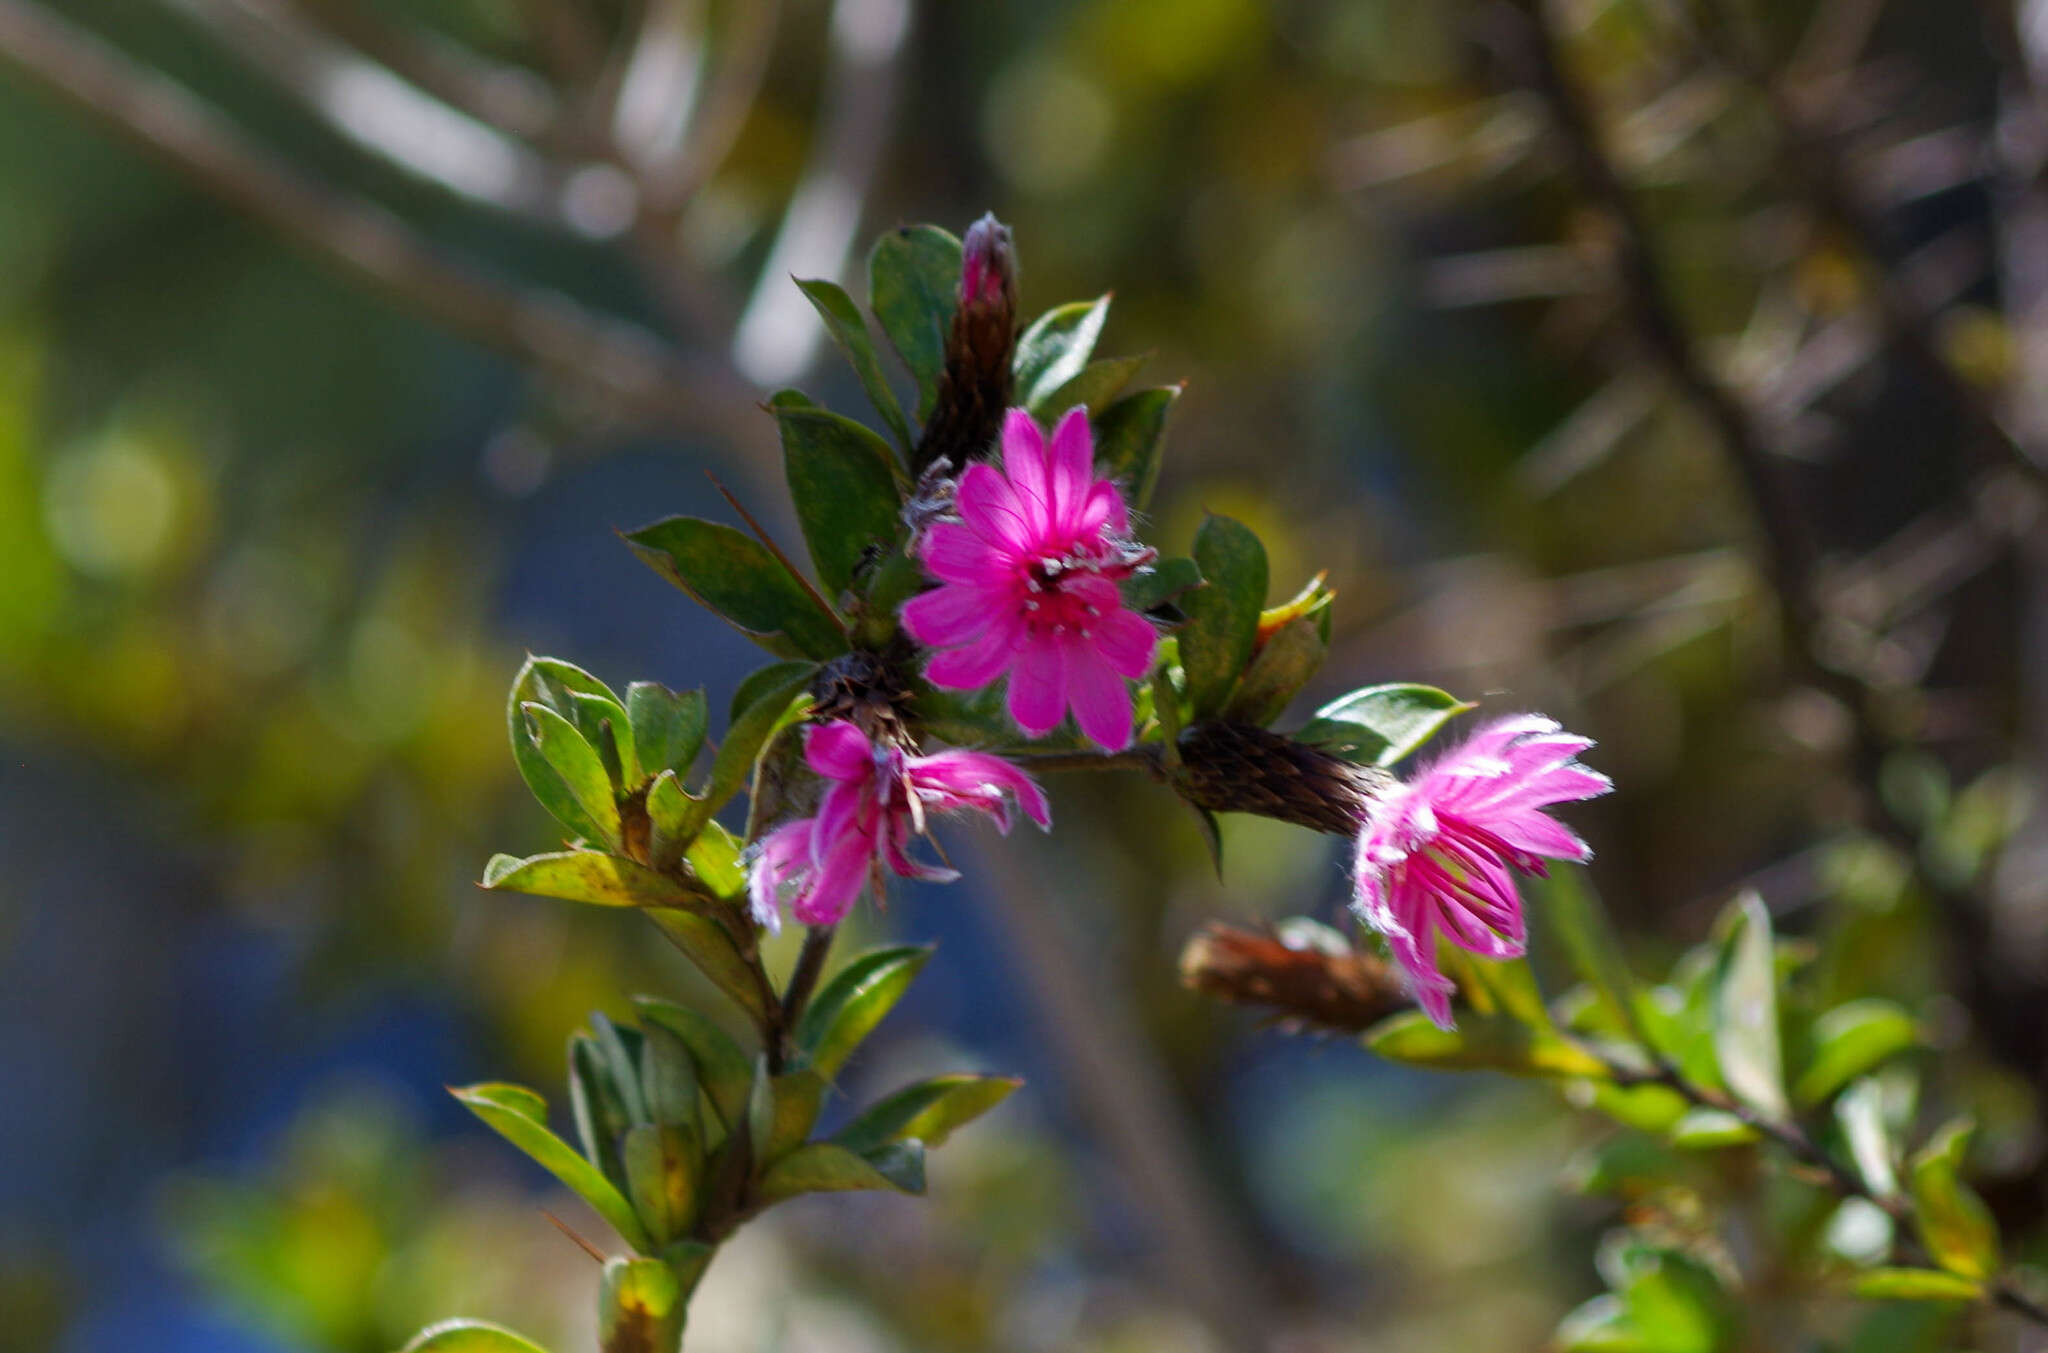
1240 768
976 386
1326 985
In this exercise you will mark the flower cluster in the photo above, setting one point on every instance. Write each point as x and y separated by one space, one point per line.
1027 550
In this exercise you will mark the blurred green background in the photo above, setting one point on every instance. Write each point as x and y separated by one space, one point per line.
336 337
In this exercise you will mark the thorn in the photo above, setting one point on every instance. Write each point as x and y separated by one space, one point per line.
567 1230
768 543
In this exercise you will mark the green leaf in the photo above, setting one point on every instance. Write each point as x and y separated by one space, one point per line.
605 726
1626 1165
847 1009
710 946
715 859
662 1168
668 1077
1481 1043
1704 1129
620 1049
1496 987
1674 1303
594 1104
1055 348
1955 1225
723 1069
1223 617
577 766
913 289
1598 1325
671 820
1746 1009
901 1163
734 576
775 676
520 1116
1860 1111
550 682
1850 1040
777 708
588 876
822 1167
1647 1108
1166 580
469 1336
928 1111
1093 386
1378 725
798 1095
842 479
843 321
1573 916
1129 436
668 726
1916 1284
1289 658
641 1307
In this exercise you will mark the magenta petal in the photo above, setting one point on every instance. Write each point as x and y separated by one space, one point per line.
1024 465
838 751
1540 834
1038 685
987 504
1103 509
949 614
1071 468
975 665
1432 991
1126 641
977 780
1101 699
836 881
955 554
779 861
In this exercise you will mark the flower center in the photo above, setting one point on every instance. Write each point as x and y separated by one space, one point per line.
1048 604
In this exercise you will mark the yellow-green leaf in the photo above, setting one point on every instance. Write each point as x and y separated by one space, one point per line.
1955 1225
520 1116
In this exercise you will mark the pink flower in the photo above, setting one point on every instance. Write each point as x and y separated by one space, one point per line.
1434 854
1028 586
876 798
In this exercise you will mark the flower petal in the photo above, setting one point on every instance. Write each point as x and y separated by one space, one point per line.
1038 685
981 661
838 751
836 881
1103 508
948 614
991 509
1024 465
1101 699
1126 641
1070 468
961 779
953 553
778 862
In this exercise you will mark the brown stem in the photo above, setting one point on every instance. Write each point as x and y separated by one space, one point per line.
803 979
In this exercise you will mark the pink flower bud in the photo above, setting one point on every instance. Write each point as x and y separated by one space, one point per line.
988 264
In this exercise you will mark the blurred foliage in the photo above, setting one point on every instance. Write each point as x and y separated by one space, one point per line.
270 541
